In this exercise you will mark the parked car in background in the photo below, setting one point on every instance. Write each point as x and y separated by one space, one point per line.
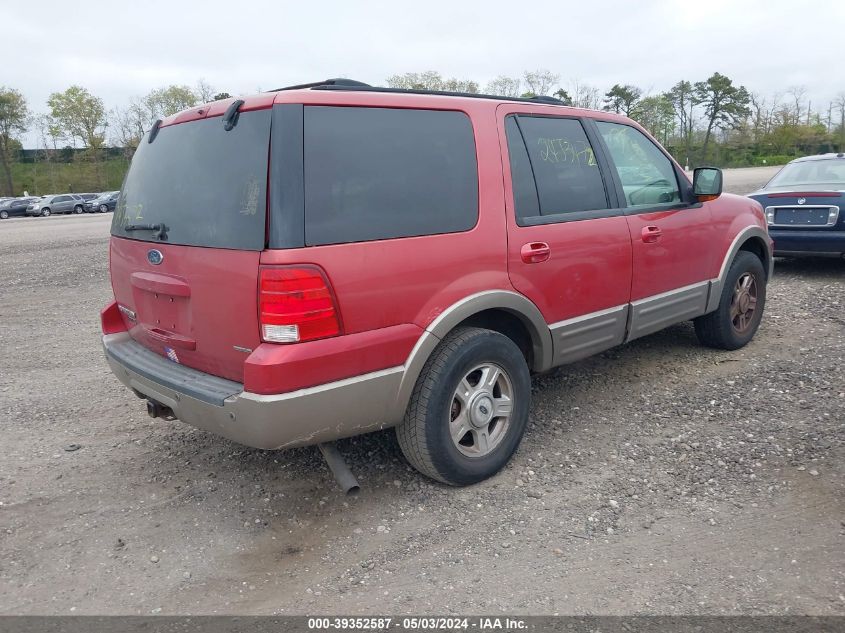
86 197
12 207
61 203
103 203
803 206
413 257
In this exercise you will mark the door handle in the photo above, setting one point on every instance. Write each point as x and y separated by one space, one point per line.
651 234
535 252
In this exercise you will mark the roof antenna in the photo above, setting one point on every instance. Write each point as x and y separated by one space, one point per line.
230 117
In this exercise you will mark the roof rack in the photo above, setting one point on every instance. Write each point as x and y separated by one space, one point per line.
340 82
351 84
545 99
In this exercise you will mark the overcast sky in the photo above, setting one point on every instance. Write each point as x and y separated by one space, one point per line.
121 49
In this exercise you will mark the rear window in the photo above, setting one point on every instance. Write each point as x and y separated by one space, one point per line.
380 173
810 172
206 185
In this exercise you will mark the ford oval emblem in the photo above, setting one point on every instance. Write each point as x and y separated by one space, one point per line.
154 257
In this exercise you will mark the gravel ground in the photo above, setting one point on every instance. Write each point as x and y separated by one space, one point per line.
659 477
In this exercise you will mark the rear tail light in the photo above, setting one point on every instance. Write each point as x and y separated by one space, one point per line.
770 215
295 304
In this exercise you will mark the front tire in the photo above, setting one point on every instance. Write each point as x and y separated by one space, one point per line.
4 215
103 208
741 304
45 213
469 408
78 209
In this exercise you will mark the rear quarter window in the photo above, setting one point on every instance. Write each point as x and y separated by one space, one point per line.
380 173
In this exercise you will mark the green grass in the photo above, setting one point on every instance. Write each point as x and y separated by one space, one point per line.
43 178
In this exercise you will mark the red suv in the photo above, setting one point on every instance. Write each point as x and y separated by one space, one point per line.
327 260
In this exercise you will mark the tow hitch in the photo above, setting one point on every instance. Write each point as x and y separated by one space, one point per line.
158 410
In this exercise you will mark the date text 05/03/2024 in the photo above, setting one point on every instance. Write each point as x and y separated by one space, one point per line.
480 623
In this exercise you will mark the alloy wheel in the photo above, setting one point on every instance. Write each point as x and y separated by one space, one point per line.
744 302
480 413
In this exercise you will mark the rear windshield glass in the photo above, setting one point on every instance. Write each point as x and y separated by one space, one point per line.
206 185
811 172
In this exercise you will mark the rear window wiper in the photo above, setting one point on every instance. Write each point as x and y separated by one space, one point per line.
230 117
160 229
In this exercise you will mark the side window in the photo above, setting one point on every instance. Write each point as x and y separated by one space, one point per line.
524 189
60 199
647 176
381 173
553 167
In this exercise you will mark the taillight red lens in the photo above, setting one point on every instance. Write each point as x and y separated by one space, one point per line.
296 304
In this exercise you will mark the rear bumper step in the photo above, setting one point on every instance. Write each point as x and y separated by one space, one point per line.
308 416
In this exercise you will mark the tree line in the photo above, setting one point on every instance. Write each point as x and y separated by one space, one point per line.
75 119
708 121
711 120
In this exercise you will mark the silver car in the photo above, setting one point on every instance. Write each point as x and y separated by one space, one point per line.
62 203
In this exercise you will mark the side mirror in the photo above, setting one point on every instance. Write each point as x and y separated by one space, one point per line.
707 183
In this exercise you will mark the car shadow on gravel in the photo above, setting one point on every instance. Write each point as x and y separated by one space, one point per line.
376 459
811 267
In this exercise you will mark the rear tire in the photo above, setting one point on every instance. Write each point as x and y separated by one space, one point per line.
741 305
469 408
45 213
4 215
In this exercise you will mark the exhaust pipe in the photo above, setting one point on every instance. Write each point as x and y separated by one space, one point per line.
340 470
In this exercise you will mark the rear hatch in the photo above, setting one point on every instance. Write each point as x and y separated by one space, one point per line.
187 235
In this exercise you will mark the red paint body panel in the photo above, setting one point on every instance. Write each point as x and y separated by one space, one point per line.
213 302
282 368
680 256
217 108
730 215
589 268
166 284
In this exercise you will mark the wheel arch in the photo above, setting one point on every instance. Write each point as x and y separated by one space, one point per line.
757 246
509 313
753 239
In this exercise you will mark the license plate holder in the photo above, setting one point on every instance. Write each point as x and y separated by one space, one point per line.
802 217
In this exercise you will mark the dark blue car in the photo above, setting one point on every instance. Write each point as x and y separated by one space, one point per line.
803 203
103 203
